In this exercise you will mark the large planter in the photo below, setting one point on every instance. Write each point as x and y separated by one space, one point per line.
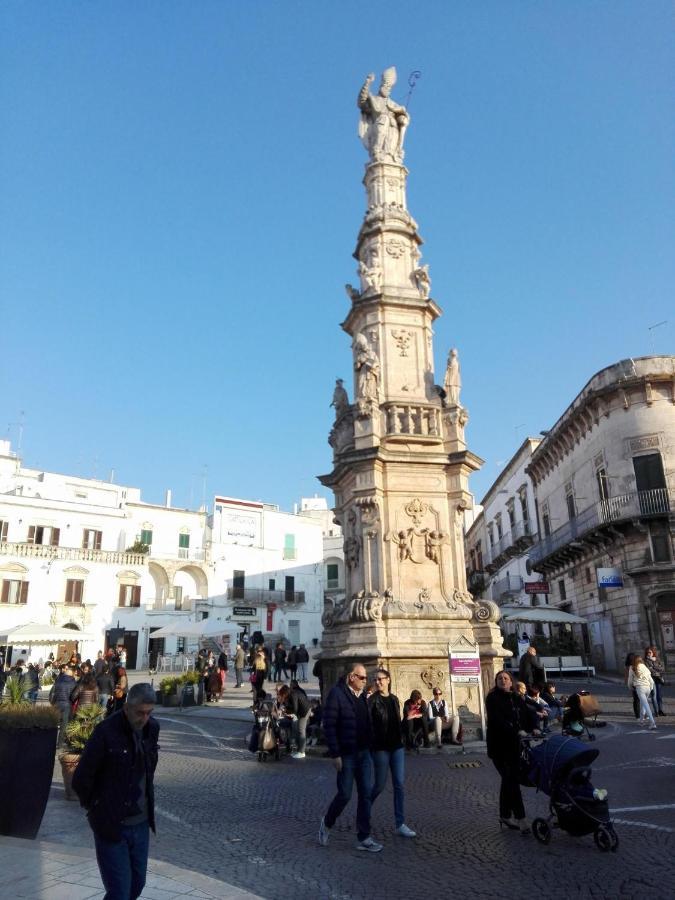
69 763
170 699
26 769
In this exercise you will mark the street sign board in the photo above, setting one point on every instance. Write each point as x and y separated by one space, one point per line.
609 578
537 587
245 611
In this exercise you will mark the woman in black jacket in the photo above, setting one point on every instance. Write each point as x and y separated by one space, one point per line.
388 753
508 719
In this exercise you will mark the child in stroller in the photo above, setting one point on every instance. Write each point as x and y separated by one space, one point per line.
561 768
580 707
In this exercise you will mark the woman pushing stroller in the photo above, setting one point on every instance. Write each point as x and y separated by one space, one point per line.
508 720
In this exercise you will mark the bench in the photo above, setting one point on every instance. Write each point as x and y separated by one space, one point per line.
566 664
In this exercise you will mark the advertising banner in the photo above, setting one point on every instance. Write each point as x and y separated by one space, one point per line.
609 578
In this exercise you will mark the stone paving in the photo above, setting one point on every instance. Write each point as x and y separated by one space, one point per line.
254 825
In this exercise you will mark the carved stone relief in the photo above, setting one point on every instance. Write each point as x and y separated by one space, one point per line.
402 339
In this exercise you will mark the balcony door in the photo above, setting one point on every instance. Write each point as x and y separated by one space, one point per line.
650 482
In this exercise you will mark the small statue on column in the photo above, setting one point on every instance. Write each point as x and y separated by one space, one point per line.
453 379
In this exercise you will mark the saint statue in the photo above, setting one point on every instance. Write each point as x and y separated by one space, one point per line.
340 398
367 368
453 379
383 123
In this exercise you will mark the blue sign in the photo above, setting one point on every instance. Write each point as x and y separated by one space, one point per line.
610 578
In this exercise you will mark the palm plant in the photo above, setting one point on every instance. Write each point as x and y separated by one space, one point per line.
14 691
81 726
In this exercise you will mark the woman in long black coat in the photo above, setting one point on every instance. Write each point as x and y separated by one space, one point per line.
508 719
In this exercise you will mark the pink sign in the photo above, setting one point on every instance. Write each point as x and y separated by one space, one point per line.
467 666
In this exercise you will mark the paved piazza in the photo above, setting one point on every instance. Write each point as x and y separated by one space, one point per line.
254 825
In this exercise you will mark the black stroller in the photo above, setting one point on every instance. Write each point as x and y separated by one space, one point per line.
266 738
561 768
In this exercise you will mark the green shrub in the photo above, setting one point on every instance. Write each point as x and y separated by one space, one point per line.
14 691
19 716
81 726
191 678
169 685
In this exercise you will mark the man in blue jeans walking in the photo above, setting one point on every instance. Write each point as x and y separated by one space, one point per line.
349 735
114 781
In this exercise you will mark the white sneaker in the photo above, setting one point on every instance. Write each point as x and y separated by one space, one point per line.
404 831
370 845
653 728
324 833
297 755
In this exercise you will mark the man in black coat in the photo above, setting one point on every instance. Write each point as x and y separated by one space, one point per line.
114 781
349 735
530 669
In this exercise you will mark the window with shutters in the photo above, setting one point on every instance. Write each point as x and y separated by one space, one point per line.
130 595
44 534
14 592
238 584
569 500
3 532
74 591
289 586
546 520
332 575
91 540
498 523
183 545
561 589
289 546
146 536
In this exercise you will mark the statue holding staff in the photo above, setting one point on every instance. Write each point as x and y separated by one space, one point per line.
383 123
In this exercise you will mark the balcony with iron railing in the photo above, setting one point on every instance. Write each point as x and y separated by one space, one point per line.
510 544
263 596
27 550
636 505
508 586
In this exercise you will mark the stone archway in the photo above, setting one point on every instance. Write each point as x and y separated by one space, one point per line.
162 583
192 581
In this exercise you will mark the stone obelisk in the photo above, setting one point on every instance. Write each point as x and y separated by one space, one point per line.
400 462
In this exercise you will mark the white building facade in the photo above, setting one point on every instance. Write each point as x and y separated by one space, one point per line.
498 540
94 557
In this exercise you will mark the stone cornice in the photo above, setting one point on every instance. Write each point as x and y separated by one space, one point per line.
619 387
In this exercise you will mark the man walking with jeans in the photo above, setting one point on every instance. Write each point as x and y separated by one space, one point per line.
349 735
114 781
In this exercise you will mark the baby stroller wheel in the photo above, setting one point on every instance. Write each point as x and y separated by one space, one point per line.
605 838
541 830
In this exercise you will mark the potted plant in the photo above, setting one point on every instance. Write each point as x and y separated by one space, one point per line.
168 688
28 734
78 732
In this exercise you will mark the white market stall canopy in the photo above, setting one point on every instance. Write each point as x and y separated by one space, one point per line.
33 633
205 628
546 614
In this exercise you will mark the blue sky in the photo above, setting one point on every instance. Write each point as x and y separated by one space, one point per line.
181 194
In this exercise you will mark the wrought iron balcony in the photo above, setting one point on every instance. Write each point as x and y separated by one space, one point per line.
566 539
262 596
508 586
50 554
511 544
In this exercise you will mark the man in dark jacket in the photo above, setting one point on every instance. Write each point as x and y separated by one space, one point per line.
349 735
530 669
114 781
59 696
302 658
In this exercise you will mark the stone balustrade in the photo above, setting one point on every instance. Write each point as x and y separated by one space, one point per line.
42 551
414 419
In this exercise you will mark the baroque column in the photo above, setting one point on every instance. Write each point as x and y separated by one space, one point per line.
400 462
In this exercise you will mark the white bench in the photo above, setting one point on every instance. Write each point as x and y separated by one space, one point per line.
562 664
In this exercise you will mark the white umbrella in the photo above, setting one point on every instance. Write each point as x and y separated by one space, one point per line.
205 628
548 614
33 633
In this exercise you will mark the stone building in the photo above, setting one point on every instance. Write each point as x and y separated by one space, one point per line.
604 481
93 556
